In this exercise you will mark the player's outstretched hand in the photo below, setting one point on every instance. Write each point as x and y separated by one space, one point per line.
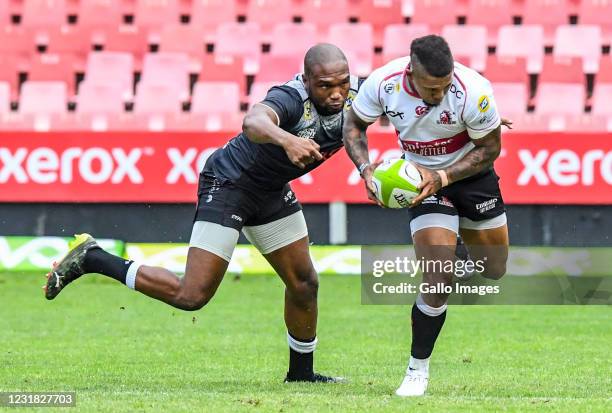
430 184
302 152
507 123
370 188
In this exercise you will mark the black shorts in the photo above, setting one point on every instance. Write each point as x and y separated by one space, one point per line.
476 198
223 203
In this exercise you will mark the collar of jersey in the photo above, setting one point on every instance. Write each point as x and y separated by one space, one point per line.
409 86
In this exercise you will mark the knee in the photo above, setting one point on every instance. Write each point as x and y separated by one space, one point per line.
193 301
495 271
304 290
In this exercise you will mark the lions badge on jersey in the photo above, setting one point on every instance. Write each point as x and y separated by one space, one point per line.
483 103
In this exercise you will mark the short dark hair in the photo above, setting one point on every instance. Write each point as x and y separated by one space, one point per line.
433 53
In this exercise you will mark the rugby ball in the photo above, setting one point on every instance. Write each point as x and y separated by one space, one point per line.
396 182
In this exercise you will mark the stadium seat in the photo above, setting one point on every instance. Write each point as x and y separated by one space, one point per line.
218 102
229 71
601 99
522 42
397 39
54 67
154 14
44 13
492 14
9 73
43 98
99 13
239 40
5 97
291 39
598 12
511 98
435 13
549 14
129 39
99 98
279 67
500 70
558 102
605 70
111 68
324 13
75 40
356 40
259 90
184 39
157 98
582 42
17 42
5 13
268 13
171 69
468 45
209 14
565 70
379 14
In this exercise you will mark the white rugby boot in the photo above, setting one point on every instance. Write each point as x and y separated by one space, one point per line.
416 379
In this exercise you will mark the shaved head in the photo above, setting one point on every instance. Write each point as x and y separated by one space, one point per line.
322 54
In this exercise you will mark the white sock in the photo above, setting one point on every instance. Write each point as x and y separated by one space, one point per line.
130 277
301 346
419 364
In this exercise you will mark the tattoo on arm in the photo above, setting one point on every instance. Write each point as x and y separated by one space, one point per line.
482 156
355 139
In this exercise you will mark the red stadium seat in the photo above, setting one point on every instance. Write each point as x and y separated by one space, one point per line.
279 67
601 100
380 14
5 13
70 39
506 70
17 42
547 13
99 13
154 14
397 39
357 42
259 90
324 13
216 97
561 70
290 39
239 40
184 39
598 12
43 98
169 69
157 98
106 68
54 67
44 13
581 42
559 101
268 13
9 73
209 14
436 13
128 39
605 70
522 42
229 71
468 45
492 14
99 98
5 98
511 98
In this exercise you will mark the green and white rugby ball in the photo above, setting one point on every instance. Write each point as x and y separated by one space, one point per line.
396 182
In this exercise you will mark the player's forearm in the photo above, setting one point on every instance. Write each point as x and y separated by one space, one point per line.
355 140
478 159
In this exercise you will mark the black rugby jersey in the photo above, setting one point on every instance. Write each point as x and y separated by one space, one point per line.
266 166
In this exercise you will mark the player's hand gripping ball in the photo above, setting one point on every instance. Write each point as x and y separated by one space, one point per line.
396 182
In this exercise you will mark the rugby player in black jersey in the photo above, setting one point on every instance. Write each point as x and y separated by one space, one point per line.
244 186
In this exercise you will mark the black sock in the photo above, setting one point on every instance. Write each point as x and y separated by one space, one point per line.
300 364
101 262
425 330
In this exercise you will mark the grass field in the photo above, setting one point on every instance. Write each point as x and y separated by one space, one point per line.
120 351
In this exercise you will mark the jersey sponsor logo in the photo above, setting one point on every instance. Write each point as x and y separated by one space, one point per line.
236 217
437 147
446 118
393 114
307 133
483 103
421 110
458 93
391 87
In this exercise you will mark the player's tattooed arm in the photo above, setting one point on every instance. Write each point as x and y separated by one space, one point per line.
260 125
356 145
479 158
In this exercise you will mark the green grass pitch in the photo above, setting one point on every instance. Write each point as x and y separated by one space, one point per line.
120 351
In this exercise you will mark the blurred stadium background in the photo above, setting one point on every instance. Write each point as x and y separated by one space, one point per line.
109 108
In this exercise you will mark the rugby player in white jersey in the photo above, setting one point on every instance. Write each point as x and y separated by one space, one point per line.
447 123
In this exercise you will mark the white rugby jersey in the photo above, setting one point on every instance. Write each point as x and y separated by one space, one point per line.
435 136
